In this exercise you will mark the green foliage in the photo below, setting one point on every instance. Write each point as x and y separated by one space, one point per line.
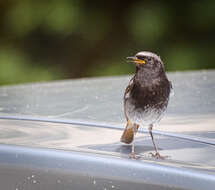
202 14
49 40
55 16
149 23
16 68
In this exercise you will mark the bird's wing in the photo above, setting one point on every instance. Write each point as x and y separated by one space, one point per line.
171 89
129 87
170 85
126 94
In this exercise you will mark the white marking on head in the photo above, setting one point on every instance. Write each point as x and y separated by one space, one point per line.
149 54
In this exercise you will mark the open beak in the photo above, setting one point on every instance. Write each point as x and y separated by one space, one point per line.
136 60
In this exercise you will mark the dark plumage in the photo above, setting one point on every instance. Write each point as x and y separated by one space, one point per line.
146 97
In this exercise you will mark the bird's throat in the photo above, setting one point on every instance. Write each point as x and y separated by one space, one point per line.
146 77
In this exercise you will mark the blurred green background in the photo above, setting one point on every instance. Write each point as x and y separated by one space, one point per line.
60 39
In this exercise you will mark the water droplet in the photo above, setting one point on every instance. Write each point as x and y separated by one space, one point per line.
34 181
58 181
28 177
94 182
32 176
112 186
134 174
4 94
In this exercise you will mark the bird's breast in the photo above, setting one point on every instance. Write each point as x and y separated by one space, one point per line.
154 94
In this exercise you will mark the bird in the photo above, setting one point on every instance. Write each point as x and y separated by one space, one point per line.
146 98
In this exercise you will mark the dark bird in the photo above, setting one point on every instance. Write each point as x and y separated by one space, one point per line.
146 97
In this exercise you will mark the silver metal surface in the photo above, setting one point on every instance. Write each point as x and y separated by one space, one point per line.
65 135
100 101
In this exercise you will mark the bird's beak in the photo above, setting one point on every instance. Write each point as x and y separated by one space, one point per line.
136 60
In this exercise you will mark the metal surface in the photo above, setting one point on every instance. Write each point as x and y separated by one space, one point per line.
66 135
24 168
192 103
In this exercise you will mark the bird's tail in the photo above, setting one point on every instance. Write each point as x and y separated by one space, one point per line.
128 134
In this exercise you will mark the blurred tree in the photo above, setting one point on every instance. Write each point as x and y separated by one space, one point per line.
48 40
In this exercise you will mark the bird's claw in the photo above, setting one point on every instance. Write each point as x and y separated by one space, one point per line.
158 156
134 156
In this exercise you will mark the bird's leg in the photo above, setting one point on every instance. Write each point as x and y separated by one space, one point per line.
150 132
156 154
132 154
135 131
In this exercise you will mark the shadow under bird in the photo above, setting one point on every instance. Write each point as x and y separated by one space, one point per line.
146 97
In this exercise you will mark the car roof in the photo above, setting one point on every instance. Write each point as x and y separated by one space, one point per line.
86 115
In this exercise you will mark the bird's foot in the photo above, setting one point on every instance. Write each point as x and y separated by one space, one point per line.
135 156
158 156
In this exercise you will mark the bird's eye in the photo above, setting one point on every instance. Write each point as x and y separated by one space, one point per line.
149 59
140 57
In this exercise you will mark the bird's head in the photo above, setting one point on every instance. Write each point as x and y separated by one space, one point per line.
146 60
